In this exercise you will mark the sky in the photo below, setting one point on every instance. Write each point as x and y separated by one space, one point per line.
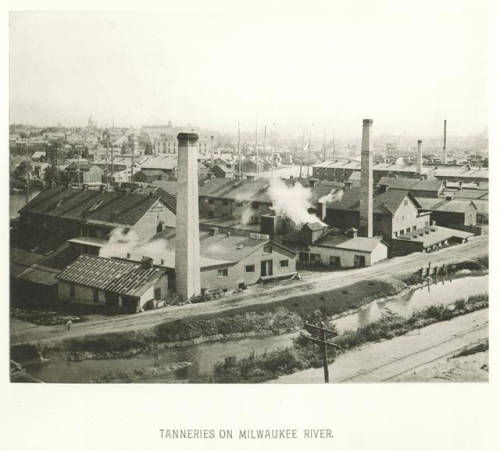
324 67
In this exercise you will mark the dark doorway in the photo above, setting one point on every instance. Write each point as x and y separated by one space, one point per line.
266 268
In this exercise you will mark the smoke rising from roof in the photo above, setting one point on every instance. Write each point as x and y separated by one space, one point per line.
292 201
122 242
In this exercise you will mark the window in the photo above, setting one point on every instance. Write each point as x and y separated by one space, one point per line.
268 249
225 202
255 205
414 228
395 234
408 230
210 201
250 268
334 260
402 232
359 260
222 272
72 290
158 293
95 293
283 263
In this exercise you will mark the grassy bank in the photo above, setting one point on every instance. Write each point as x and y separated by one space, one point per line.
281 316
274 318
303 354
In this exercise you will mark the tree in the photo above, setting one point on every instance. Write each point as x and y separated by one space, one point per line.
23 169
52 174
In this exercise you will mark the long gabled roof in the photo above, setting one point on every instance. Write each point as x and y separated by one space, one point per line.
91 205
411 184
109 274
451 206
359 243
383 203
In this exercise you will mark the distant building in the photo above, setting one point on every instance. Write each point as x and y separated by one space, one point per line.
395 212
59 214
83 173
321 246
418 188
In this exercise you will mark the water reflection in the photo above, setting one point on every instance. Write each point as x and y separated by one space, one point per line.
203 357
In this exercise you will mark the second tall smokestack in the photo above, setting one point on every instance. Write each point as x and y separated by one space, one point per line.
366 199
419 156
187 239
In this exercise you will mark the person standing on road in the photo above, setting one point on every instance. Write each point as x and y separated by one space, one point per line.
68 324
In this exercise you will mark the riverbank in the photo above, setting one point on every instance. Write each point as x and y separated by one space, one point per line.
304 354
280 317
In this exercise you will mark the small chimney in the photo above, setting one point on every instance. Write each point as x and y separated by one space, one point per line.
147 262
312 182
352 232
128 254
419 156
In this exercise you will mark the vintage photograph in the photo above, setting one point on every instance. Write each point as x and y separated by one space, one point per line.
248 198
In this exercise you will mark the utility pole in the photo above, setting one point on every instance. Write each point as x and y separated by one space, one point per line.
239 150
333 144
324 343
264 145
131 147
256 147
212 151
273 144
302 153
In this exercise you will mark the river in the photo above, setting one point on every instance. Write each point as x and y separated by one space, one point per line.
203 357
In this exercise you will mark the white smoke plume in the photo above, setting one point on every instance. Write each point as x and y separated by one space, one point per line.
292 201
332 197
122 242
119 243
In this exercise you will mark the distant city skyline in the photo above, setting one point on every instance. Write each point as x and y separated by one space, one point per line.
408 70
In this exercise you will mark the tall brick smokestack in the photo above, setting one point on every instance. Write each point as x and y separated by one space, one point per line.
187 241
366 200
419 156
445 156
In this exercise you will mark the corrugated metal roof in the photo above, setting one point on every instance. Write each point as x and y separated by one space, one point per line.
118 276
91 205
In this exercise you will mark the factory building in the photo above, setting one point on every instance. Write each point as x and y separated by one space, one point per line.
418 188
451 212
321 246
394 213
112 284
59 214
341 170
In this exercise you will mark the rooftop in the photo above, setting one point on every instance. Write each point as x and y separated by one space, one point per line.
360 243
433 235
387 202
93 205
110 274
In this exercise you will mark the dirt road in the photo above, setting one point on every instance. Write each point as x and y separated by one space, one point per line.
388 360
312 283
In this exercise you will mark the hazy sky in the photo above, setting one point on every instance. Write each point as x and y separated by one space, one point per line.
406 67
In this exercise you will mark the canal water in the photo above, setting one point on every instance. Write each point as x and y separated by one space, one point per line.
443 292
203 357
